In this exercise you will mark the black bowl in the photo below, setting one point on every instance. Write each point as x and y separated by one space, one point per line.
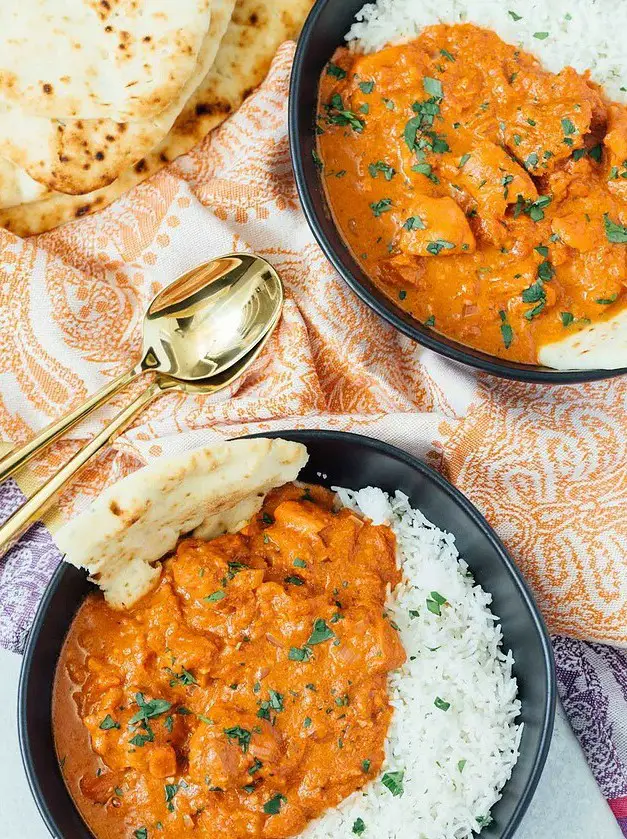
323 32
352 461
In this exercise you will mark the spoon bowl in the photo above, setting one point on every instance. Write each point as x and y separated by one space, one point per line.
209 318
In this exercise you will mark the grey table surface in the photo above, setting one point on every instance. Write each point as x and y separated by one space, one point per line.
567 804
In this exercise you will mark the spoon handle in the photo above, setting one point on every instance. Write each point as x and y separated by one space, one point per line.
19 457
21 520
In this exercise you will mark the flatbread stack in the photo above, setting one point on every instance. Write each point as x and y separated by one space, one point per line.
205 492
96 95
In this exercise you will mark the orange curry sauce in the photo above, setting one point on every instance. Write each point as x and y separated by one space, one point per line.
485 194
246 694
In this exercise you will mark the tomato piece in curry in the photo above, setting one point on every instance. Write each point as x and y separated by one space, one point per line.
484 194
247 693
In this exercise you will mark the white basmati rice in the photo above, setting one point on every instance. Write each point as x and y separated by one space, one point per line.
585 34
455 761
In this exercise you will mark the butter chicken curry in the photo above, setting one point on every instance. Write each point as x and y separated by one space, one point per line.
484 194
247 693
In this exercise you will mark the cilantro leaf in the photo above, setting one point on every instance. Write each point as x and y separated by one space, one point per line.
394 782
321 633
615 233
334 70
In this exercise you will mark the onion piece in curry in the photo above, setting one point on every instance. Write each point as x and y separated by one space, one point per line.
484 194
244 696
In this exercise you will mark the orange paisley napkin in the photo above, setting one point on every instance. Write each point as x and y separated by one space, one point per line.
547 465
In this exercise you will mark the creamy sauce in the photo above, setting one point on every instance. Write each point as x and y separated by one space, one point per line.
246 694
484 194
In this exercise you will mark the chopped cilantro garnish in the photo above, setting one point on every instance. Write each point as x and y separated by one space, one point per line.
441 704
460 764
273 805
542 250
615 233
307 722
546 271
170 791
299 654
464 159
294 580
366 87
276 700
430 321
380 207
381 166
534 209
532 313
447 55
240 735
257 765
415 223
108 723
140 740
596 152
507 333
425 169
568 126
365 765
184 677
338 115
514 16
316 159
534 293
541 36
394 782
606 301
217 595
567 318
439 245
334 70
434 602
402 294
320 633
433 87
300 563
358 826
140 833
148 710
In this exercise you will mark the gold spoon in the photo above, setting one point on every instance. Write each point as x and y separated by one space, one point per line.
254 334
195 328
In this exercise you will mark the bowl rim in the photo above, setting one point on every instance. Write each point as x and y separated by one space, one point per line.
352 274
347 438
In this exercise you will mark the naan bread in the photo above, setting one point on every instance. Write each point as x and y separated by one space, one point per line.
77 156
137 521
16 187
116 59
256 30
599 346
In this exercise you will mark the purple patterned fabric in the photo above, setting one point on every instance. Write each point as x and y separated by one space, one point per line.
592 678
592 683
24 573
